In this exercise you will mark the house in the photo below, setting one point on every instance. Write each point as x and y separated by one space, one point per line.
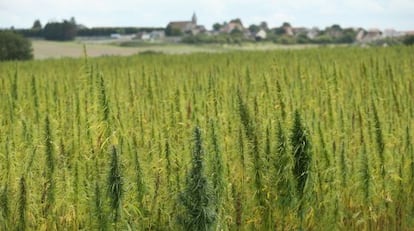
288 30
151 36
369 35
260 35
373 34
115 36
360 35
184 27
157 34
408 33
300 30
233 25
313 33
392 33
199 29
143 36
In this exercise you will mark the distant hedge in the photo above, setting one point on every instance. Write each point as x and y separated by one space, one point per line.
14 47
60 31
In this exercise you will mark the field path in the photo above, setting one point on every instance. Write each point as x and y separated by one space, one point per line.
48 49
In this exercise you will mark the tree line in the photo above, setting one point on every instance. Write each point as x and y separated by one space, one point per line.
67 30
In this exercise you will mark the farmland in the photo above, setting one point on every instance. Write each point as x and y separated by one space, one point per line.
313 139
43 49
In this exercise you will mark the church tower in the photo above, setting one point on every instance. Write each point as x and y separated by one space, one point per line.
194 19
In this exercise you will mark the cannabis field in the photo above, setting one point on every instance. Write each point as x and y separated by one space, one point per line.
313 139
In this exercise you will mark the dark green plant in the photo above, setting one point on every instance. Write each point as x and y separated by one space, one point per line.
250 132
8 159
283 167
410 150
379 139
14 87
267 148
31 160
35 98
365 178
281 100
285 191
199 213
141 189
217 173
48 196
76 187
100 214
301 151
50 162
365 172
21 226
4 206
168 159
104 102
115 184
241 148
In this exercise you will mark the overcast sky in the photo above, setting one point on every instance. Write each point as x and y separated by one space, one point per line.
382 14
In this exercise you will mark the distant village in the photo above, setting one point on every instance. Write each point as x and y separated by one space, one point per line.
191 31
233 31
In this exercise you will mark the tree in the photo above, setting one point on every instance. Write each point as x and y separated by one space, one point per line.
348 36
72 20
264 26
334 31
254 28
236 20
37 25
14 47
302 38
173 31
217 26
279 31
285 29
236 33
286 24
336 27
60 31
323 39
409 40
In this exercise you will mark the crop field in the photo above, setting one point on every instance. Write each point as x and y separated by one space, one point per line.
311 139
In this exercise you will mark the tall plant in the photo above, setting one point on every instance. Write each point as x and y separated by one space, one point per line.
48 197
217 172
301 151
199 213
22 223
115 184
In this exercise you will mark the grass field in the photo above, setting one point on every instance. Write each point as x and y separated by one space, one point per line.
308 139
